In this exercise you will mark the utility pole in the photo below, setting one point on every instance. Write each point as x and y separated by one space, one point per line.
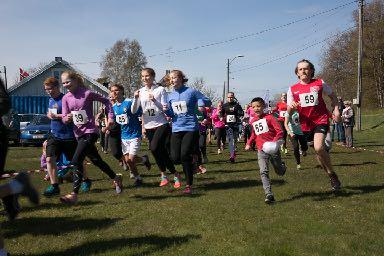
359 66
228 75
224 92
5 77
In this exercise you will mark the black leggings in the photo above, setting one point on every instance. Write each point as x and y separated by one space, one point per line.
296 139
183 147
202 150
284 133
115 145
3 146
159 145
86 148
220 136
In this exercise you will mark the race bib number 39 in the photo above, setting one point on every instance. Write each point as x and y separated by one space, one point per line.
122 119
79 117
260 126
179 107
309 99
231 119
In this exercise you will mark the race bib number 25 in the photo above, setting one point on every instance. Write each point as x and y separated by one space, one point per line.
260 126
179 107
122 119
309 99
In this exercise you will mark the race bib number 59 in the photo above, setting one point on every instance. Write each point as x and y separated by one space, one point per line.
260 126
309 99
79 117
179 107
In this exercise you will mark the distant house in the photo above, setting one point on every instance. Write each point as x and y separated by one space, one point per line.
28 95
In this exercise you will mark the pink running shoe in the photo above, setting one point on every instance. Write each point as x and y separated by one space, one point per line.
187 190
163 181
177 183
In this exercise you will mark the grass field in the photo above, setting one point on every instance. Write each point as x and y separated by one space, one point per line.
226 216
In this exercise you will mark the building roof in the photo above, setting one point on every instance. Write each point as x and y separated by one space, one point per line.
50 65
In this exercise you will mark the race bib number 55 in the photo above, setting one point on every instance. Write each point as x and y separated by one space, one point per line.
79 117
260 126
179 107
309 99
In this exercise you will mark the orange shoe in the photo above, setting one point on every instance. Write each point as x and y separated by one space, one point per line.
164 181
177 183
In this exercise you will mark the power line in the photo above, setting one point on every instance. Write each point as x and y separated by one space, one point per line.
291 53
253 34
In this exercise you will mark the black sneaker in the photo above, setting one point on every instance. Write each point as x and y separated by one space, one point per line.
11 206
28 190
138 182
146 162
335 182
269 199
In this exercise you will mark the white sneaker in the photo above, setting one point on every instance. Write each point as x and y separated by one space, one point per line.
118 183
218 151
298 167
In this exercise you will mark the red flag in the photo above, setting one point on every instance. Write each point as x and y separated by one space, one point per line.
23 74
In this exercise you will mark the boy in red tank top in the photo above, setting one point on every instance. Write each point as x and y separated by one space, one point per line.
307 97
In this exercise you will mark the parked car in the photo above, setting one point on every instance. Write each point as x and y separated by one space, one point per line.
37 131
25 120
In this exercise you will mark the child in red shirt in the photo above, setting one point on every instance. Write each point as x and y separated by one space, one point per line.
268 135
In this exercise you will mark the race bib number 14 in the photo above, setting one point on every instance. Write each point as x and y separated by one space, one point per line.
179 107
260 126
309 99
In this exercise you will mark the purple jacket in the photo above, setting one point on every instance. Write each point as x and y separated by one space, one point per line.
82 99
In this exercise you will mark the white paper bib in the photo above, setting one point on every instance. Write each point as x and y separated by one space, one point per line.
79 117
179 107
260 126
309 99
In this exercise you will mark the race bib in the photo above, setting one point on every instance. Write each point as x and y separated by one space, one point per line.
179 107
260 126
296 121
53 111
122 119
309 99
282 113
231 119
79 117
150 112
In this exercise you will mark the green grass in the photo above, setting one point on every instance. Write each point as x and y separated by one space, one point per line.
226 216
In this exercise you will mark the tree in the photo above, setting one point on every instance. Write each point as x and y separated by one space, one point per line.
199 84
123 63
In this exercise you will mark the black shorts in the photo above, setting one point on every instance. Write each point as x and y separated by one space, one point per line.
55 147
322 128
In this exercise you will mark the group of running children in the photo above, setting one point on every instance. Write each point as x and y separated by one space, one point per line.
175 124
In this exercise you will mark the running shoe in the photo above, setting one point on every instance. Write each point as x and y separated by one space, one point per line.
146 162
11 206
86 185
131 175
187 190
269 199
69 199
28 190
202 169
335 182
52 191
298 167
138 182
163 181
232 159
304 153
218 151
177 183
118 183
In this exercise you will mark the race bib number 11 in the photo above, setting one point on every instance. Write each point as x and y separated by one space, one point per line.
309 99
179 107
79 117
260 126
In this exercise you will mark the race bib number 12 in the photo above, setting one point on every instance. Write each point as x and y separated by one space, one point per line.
260 126
309 99
179 107
79 117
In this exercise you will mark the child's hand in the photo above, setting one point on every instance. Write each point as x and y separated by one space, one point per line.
247 147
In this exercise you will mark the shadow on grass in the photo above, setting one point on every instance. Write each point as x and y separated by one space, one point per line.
236 184
45 206
53 226
145 245
235 171
171 194
226 161
326 195
355 164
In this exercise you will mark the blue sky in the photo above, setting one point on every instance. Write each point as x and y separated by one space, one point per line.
36 31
